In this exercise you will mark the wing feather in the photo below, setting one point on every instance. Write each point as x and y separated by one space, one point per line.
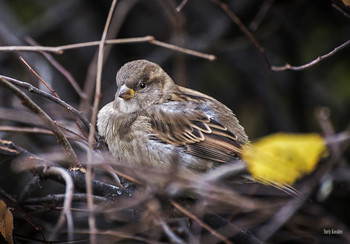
197 132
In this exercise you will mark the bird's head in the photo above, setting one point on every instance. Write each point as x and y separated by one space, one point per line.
141 83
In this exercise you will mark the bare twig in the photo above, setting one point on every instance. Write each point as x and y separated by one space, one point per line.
41 79
20 115
212 192
38 130
265 7
172 236
339 138
54 93
35 90
177 35
25 130
59 198
92 224
111 172
244 29
204 225
284 214
317 60
60 68
30 161
342 6
181 6
322 114
119 16
33 183
229 170
261 50
128 177
61 139
66 213
183 50
61 49
119 234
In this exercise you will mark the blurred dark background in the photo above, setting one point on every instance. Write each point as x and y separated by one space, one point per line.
291 31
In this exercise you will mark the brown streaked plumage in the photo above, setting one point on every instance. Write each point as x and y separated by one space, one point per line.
152 118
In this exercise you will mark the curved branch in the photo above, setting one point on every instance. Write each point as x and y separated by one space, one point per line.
317 60
261 50
35 90
61 139
66 213
88 175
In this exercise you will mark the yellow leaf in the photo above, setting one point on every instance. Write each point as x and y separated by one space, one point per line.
281 158
6 222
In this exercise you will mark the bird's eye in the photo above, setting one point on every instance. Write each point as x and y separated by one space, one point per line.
142 85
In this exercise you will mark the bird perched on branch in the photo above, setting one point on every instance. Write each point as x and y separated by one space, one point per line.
152 119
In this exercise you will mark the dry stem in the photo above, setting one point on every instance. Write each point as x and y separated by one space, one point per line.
66 213
61 139
61 49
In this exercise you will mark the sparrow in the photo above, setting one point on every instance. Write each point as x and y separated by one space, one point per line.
152 119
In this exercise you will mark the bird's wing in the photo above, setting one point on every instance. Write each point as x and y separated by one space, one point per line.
194 129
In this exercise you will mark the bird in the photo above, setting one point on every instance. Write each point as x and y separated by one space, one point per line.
152 120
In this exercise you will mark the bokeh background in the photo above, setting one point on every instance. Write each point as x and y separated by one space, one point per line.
291 31
294 32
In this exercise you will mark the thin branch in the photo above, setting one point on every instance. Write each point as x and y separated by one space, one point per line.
60 68
171 235
181 5
317 60
33 183
183 50
261 50
61 49
20 115
63 104
265 7
35 90
235 168
54 93
66 213
342 6
198 186
111 172
200 222
244 29
29 161
124 7
340 139
92 224
283 214
119 234
128 177
322 114
59 198
38 76
61 139
37 130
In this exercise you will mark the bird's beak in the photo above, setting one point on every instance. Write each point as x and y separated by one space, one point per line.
126 93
